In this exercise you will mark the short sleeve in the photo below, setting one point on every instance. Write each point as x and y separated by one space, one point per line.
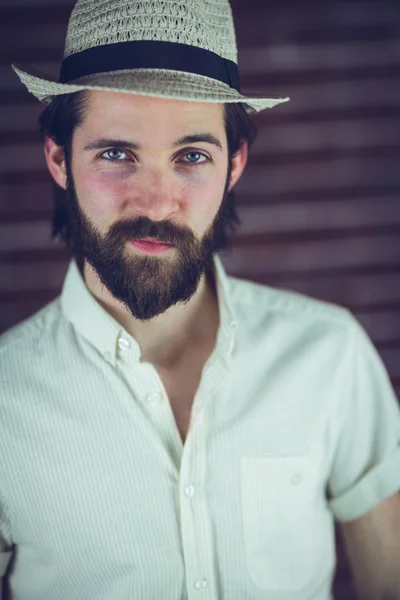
366 465
5 539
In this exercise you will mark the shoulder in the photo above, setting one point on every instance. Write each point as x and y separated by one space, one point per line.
288 304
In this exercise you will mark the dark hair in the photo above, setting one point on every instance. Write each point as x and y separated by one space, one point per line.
65 112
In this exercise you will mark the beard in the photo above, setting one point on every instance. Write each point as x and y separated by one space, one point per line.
146 285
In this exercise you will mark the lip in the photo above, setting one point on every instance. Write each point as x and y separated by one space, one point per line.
150 247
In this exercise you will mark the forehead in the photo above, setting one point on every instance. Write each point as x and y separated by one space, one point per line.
133 111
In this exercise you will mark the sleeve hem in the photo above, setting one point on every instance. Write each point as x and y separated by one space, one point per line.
380 483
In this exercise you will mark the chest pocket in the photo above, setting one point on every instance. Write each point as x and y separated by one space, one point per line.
285 524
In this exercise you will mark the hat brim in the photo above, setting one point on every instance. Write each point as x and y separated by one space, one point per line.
160 83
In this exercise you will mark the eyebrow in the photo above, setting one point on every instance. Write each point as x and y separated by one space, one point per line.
209 138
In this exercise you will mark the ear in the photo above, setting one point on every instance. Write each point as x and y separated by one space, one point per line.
55 160
239 161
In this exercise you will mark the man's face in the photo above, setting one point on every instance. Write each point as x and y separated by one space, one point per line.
141 183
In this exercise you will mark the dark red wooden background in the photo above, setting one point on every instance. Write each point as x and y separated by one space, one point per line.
319 201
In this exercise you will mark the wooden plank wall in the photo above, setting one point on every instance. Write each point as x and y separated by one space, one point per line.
319 201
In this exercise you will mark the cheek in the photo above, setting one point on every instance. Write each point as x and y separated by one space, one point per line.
202 200
99 193
206 193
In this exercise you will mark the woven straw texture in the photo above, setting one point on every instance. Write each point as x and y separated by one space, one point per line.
206 24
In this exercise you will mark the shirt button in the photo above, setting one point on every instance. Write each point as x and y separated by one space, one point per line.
189 490
124 344
154 397
296 479
200 584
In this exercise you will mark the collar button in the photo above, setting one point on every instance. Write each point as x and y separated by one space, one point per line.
124 344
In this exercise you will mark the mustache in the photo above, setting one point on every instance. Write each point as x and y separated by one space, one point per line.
143 227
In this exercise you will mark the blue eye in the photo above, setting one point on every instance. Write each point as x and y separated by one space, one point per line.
193 153
113 150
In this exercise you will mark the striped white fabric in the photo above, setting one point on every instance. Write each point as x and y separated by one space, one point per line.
294 424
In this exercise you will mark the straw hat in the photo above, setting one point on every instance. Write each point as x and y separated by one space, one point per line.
180 49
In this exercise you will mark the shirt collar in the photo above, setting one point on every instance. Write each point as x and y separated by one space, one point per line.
108 337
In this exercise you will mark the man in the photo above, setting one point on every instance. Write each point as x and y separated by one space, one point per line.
169 431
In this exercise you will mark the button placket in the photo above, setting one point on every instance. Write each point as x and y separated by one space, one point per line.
200 584
189 491
196 524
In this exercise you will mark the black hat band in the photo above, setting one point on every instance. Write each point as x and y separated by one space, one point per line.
149 54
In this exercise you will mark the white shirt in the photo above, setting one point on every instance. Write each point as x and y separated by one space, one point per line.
294 424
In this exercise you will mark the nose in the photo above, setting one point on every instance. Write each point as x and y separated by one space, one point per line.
156 194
